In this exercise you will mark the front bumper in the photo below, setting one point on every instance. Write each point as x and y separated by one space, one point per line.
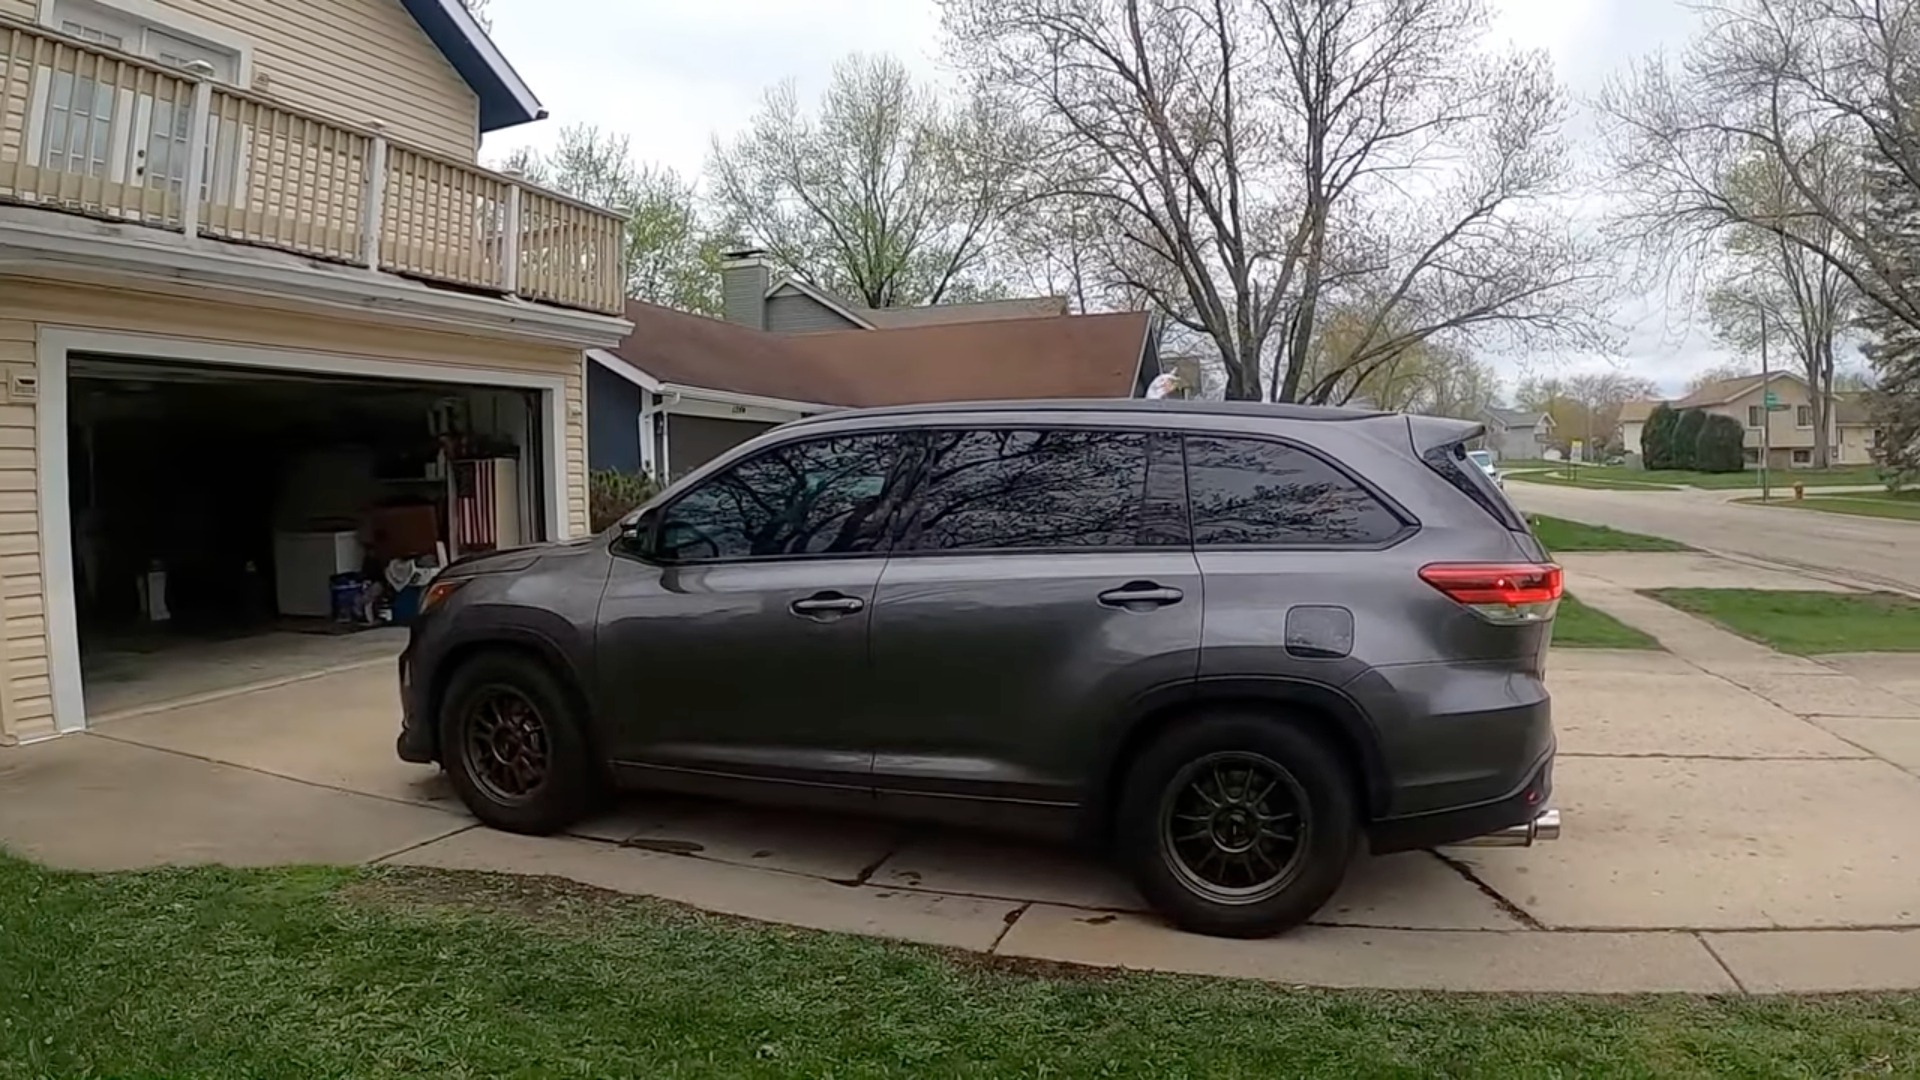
1518 819
416 741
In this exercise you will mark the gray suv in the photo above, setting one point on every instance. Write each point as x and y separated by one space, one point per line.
1230 643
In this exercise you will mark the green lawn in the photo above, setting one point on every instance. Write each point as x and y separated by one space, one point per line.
1901 506
1807 623
1576 625
316 972
1559 534
1839 475
1602 483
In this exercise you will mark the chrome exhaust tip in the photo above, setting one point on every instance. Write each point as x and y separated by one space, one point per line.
1545 826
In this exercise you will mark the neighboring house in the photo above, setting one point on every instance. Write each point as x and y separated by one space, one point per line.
1516 434
683 389
1789 427
261 313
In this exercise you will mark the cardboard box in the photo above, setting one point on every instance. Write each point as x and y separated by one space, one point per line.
402 532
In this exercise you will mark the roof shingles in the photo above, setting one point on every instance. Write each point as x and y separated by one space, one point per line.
1058 356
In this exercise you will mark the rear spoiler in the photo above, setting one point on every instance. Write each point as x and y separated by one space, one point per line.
1437 442
1429 433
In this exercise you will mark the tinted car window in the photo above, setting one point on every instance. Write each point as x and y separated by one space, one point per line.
1010 489
821 497
1250 491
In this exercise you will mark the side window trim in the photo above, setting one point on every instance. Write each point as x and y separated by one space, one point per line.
1409 525
890 494
909 503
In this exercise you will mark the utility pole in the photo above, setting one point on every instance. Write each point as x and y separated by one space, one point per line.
1766 412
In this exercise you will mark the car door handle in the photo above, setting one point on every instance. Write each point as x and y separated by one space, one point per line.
1140 595
826 605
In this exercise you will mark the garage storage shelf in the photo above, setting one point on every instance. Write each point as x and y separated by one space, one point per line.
98 132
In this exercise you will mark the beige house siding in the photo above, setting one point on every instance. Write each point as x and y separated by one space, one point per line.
356 61
26 705
1856 444
1782 431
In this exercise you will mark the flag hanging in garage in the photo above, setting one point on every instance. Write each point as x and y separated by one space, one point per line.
474 513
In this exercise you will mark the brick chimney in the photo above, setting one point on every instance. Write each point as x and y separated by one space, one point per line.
744 279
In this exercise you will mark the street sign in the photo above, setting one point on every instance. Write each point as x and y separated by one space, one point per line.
1772 399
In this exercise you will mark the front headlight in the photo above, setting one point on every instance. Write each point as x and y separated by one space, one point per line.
437 591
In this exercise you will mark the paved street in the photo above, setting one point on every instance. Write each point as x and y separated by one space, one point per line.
1873 550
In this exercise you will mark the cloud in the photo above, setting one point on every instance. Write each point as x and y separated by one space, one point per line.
669 74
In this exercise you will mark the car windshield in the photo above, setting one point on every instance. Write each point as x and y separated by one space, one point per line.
1482 458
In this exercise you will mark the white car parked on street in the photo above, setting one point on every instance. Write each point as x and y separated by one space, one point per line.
1484 459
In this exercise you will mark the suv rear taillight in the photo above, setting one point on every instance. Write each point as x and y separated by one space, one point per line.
1508 594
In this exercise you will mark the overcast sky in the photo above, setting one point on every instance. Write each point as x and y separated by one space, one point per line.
671 73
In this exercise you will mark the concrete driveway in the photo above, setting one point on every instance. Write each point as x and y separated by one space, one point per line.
1876 550
1734 824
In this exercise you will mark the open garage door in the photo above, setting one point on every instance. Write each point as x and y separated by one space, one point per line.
235 525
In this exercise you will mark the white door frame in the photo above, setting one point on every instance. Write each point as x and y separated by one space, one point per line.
51 456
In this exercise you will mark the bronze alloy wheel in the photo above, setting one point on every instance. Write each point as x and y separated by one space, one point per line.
509 751
1234 827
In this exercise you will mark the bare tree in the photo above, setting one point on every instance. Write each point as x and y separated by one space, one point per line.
1720 373
1778 294
1800 85
885 194
478 9
1262 159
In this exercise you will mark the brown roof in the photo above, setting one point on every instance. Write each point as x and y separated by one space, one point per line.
1636 411
1031 307
1725 390
1060 356
1852 409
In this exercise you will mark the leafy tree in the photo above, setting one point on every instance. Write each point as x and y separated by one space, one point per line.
885 193
1685 441
1720 446
1656 439
672 255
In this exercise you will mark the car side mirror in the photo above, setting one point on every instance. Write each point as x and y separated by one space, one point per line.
636 533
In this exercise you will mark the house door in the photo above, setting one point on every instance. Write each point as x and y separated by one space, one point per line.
97 121
163 128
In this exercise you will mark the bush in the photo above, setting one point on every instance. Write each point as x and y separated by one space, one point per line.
1656 439
1686 438
612 495
1720 447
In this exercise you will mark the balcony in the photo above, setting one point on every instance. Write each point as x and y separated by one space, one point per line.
89 131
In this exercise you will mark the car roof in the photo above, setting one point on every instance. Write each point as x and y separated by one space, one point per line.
1102 407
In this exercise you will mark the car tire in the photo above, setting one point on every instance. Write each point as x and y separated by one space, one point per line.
513 743
1202 824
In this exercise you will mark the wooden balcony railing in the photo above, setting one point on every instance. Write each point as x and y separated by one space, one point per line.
97 132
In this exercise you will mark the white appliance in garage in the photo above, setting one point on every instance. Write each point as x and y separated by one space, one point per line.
304 564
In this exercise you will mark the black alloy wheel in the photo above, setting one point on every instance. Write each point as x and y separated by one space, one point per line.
1235 826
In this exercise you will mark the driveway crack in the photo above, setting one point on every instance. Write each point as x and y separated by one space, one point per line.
1012 917
1513 910
1718 959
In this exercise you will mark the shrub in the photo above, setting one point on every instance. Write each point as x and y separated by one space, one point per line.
1686 439
1720 447
1656 439
612 494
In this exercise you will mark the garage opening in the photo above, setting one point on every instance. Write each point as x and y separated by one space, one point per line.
235 525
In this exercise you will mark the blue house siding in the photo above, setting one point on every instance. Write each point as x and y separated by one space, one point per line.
613 421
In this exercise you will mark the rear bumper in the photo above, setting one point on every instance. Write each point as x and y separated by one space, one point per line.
1516 818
